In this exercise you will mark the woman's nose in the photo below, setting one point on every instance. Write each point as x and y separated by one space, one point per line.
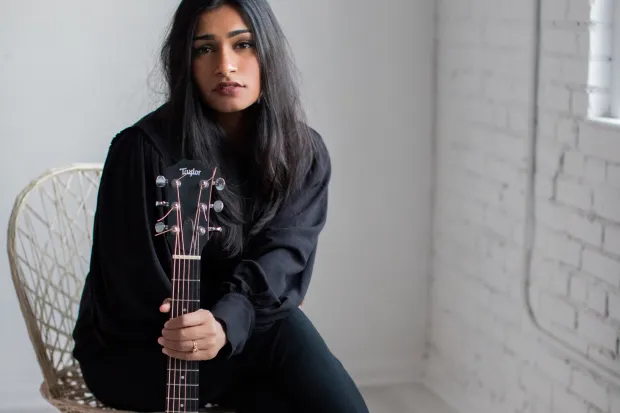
226 66
228 70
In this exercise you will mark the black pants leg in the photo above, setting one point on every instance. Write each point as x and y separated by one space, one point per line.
285 369
293 369
135 380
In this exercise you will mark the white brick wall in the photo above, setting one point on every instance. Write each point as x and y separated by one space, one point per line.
482 357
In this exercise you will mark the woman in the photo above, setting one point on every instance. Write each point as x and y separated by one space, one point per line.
232 103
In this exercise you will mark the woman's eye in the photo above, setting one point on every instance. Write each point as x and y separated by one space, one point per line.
203 49
245 45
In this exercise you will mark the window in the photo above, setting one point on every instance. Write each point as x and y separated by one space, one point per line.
604 61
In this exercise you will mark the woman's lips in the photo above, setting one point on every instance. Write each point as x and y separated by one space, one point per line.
228 88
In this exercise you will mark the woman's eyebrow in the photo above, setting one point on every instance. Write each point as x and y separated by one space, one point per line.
209 36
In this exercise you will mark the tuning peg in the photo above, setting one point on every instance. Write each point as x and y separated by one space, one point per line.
161 181
161 227
220 184
203 231
166 204
218 206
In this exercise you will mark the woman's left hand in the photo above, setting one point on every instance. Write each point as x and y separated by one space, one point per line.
193 336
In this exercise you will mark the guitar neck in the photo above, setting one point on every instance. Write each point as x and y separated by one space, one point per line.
188 187
183 375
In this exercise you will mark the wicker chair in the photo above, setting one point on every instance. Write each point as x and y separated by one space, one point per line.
49 241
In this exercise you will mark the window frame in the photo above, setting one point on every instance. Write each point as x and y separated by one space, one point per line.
614 78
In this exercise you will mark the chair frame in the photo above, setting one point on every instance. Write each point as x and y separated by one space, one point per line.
58 384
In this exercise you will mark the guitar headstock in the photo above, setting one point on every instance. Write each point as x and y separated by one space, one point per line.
189 200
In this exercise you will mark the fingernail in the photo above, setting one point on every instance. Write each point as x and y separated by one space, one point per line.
160 340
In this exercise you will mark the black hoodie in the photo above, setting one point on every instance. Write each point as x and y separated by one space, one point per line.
130 267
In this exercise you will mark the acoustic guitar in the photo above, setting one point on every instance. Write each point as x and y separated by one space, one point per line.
187 225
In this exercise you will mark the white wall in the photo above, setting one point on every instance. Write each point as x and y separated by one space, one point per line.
368 84
73 73
483 354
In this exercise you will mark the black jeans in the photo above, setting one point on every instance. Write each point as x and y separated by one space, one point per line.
285 369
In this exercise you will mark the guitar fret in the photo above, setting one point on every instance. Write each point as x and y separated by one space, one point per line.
183 370
184 385
187 257
182 411
184 280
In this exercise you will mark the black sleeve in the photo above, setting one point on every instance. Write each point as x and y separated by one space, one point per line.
128 262
276 268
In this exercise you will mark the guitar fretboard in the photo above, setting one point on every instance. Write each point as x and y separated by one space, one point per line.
184 375
188 187
183 379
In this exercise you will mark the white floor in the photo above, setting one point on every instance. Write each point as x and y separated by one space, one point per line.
403 399
391 399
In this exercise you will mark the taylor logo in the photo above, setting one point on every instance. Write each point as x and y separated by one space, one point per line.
190 172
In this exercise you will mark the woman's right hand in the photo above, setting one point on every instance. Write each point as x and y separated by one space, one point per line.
192 336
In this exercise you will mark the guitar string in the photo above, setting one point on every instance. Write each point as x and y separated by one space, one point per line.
175 362
175 309
194 288
192 294
179 302
188 296
171 361
173 369
196 291
208 211
183 301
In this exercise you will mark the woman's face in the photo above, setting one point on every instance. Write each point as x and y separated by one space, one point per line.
225 64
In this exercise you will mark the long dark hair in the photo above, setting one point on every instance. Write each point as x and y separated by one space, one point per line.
283 146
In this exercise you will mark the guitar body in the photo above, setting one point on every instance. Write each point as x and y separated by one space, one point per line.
189 190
